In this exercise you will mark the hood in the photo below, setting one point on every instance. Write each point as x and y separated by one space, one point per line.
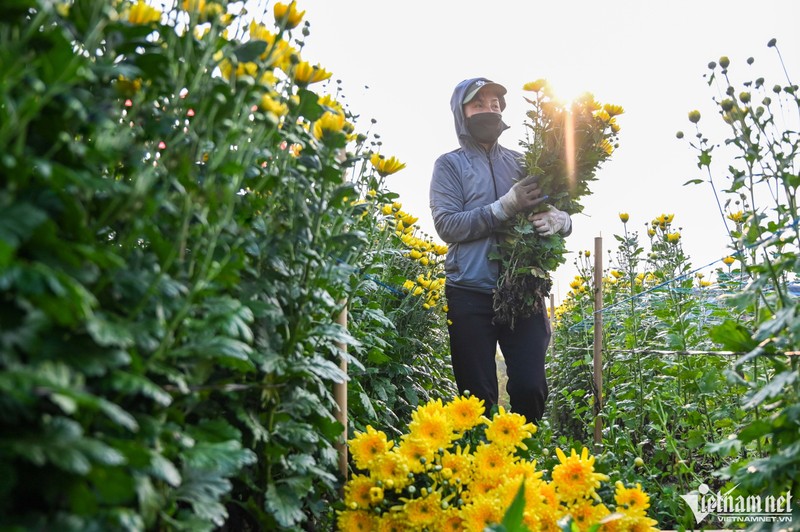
464 136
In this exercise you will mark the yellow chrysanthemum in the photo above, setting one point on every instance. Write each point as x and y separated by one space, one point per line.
355 520
417 453
631 501
356 492
287 16
624 217
142 13
465 412
390 522
575 477
729 260
535 86
432 428
304 73
508 429
585 513
480 514
422 511
392 470
451 521
613 110
490 461
606 146
328 124
736 217
367 447
273 106
194 6
386 166
673 237
458 463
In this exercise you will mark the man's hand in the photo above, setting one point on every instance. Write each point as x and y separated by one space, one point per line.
523 196
551 221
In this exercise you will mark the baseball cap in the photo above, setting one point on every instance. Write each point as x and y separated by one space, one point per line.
481 83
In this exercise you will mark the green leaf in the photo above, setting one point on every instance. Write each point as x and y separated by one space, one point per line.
250 51
309 106
512 520
163 469
107 333
284 504
733 336
774 388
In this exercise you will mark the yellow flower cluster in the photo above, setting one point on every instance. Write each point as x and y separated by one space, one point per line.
661 226
456 469
142 13
386 166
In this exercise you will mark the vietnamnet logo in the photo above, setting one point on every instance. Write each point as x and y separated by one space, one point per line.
738 508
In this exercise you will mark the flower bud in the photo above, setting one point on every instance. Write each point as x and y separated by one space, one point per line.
772 42
744 97
679 134
724 62
694 116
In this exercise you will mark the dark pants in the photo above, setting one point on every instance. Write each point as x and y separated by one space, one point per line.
473 344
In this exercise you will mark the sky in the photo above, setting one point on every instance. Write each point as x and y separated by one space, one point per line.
398 63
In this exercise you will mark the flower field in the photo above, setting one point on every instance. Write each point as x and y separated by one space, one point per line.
187 209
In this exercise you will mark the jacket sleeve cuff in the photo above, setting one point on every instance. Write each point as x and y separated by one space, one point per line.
499 213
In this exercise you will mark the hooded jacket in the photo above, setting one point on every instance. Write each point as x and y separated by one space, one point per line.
465 183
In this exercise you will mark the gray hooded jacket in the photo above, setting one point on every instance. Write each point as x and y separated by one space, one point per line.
465 183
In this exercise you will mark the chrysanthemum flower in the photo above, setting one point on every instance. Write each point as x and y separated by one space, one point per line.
535 86
414 450
356 492
480 514
729 260
508 429
585 513
631 501
624 217
422 511
451 521
459 463
465 412
287 15
270 105
392 470
432 428
386 166
367 447
329 123
575 477
736 217
357 520
390 522
490 460
142 13
673 237
304 73
613 110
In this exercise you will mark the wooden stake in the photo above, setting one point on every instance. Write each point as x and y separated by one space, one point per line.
340 395
598 341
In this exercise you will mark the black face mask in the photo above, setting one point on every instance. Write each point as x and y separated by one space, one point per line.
486 127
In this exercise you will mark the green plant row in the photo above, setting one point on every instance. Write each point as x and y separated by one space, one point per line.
182 219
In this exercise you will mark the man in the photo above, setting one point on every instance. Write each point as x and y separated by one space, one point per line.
474 189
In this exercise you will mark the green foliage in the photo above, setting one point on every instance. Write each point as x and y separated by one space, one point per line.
173 255
673 411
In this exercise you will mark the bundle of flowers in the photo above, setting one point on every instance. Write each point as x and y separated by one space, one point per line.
565 145
457 470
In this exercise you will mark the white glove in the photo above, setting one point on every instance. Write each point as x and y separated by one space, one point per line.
524 195
551 221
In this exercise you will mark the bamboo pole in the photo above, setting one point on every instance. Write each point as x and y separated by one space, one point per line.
340 395
598 340
552 316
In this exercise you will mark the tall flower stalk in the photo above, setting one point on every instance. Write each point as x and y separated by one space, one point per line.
564 145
